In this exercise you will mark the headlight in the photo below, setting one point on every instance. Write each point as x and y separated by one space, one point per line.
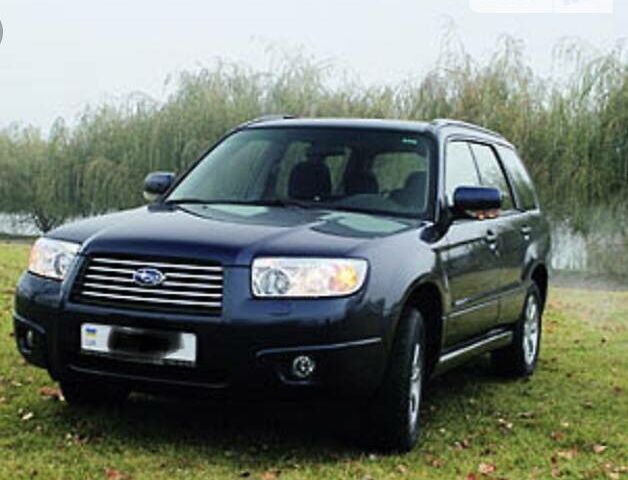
307 277
52 258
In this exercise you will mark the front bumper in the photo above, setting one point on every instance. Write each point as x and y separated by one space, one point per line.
250 346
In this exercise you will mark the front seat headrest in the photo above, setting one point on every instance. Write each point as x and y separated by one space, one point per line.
309 180
413 192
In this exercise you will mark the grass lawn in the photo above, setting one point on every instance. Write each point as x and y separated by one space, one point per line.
570 420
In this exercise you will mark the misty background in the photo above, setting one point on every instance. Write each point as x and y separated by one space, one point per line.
59 56
95 95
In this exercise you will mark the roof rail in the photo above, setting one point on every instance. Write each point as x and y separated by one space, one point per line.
445 122
266 118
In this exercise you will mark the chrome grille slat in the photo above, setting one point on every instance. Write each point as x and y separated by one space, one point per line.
109 280
192 276
192 285
113 270
147 300
149 291
127 280
137 263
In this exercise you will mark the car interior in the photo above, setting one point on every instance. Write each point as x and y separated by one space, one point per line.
401 178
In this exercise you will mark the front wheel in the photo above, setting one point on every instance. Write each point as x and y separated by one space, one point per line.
394 420
519 359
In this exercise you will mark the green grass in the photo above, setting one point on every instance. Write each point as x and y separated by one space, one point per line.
549 425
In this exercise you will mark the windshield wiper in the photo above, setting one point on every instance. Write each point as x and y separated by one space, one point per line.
179 201
285 202
367 211
289 203
274 202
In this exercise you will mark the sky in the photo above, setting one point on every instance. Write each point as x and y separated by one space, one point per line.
58 56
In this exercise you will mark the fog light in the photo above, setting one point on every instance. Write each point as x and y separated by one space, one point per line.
303 366
29 339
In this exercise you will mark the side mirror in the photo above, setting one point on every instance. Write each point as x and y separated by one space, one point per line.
476 201
156 184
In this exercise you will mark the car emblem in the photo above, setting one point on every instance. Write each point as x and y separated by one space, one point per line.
148 277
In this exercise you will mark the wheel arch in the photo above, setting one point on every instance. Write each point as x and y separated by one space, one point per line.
540 276
427 297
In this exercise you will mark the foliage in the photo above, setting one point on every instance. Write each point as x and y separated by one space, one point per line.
572 134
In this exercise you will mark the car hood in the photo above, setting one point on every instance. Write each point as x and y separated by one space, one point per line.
231 234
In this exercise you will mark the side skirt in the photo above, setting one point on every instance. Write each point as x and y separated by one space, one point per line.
459 355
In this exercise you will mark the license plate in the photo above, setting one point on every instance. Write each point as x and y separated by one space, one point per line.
138 344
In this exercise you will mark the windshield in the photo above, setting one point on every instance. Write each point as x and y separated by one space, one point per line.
373 171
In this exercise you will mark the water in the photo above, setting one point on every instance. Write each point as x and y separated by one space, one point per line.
569 249
11 224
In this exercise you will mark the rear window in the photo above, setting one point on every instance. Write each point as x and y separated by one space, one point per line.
522 183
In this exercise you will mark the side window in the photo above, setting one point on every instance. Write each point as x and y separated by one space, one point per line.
491 174
524 189
460 170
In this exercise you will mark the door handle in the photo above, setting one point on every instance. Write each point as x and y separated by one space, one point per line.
491 240
526 231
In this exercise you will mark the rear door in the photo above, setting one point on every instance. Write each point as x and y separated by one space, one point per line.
510 230
526 225
470 260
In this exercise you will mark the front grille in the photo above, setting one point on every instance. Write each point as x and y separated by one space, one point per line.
186 287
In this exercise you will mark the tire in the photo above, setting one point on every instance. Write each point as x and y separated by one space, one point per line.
394 415
519 359
93 393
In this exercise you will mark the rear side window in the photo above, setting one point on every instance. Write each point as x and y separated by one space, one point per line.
524 189
491 173
460 170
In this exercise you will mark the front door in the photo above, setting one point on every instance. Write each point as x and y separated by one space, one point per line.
472 266
512 227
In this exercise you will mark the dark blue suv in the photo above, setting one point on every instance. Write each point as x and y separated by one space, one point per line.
348 258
